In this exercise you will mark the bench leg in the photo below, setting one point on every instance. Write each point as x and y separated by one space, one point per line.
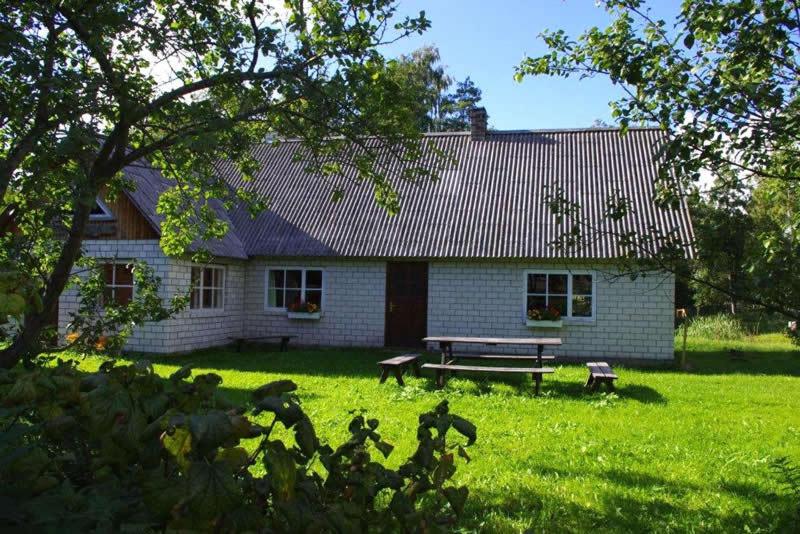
610 384
384 374
415 369
589 382
537 379
440 378
398 373
284 344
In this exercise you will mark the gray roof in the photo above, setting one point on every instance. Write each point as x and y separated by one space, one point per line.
150 183
490 204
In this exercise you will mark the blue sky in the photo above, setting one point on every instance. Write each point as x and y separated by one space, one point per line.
485 39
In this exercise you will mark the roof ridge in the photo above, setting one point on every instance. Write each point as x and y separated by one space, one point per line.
587 129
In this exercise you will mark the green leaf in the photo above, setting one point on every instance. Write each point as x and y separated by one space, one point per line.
444 470
274 389
306 437
465 428
212 489
181 374
385 448
235 457
457 497
179 445
281 470
287 413
210 430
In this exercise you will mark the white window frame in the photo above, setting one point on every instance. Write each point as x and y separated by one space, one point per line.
105 216
284 309
201 286
113 285
568 318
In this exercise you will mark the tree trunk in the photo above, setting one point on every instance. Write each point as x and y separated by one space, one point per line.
28 343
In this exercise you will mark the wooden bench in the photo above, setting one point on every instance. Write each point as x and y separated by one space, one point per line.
509 357
240 341
443 369
398 365
600 373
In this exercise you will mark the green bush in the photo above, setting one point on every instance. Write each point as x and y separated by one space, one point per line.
721 326
123 449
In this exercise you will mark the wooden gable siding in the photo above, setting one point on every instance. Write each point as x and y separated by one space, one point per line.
128 222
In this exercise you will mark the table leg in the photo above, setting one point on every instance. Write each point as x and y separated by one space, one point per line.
450 354
415 368
539 350
445 347
538 379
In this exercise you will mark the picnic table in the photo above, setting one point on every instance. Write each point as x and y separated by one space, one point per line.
446 344
449 361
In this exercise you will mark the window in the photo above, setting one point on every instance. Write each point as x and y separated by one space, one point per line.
119 283
571 293
100 212
208 287
290 287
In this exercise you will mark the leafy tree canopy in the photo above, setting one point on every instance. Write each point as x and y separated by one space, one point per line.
89 88
722 84
437 108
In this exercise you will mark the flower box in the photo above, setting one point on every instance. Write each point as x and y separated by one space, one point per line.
543 324
306 316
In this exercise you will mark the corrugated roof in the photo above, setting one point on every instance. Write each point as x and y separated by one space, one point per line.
150 183
490 204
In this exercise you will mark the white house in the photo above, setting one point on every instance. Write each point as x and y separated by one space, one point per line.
468 255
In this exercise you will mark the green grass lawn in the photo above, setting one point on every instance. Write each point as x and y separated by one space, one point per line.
672 451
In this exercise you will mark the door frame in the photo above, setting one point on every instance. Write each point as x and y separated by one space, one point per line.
386 299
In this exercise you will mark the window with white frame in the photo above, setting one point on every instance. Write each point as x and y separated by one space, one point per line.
208 287
290 288
118 278
571 293
100 212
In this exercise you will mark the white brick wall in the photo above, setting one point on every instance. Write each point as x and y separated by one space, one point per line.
634 318
353 304
189 330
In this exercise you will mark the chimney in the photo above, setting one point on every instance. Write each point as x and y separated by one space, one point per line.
477 123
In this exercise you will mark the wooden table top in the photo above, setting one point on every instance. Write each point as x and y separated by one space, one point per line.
496 340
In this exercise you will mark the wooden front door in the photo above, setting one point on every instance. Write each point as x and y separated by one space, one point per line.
406 303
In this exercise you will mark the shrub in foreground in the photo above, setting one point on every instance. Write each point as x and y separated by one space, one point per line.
123 449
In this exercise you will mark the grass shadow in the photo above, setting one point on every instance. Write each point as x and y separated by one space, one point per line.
635 502
751 362
328 362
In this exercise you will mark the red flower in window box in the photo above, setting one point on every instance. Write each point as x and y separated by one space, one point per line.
550 313
303 307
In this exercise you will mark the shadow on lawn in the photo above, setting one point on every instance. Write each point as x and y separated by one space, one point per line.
635 502
479 385
755 362
313 362
362 363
